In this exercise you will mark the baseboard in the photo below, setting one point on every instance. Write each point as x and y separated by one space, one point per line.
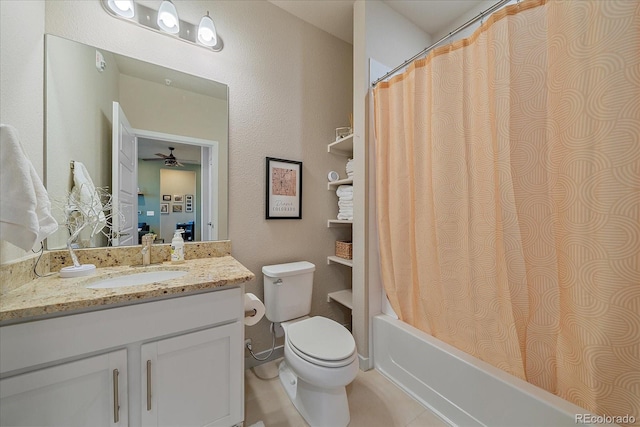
250 362
364 363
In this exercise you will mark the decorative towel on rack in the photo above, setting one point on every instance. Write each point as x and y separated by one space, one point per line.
25 209
84 200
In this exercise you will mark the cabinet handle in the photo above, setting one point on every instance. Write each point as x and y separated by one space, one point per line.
116 404
148 385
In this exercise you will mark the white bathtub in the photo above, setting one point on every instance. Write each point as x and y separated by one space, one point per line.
461 389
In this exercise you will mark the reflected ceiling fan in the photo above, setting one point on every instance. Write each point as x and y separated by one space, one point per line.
169 160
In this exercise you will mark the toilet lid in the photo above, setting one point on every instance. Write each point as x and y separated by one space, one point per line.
322 339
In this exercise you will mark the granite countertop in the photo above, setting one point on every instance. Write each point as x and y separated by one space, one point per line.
55 295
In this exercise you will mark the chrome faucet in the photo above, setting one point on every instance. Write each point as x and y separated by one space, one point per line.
147 242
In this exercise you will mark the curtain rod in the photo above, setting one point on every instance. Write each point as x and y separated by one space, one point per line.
480 16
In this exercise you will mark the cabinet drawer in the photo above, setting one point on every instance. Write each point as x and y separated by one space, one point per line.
45 341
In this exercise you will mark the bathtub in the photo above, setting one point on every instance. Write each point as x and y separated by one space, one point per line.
463 390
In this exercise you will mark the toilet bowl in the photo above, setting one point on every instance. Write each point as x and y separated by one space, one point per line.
320 357
320 360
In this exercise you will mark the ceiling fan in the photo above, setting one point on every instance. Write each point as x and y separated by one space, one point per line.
169 160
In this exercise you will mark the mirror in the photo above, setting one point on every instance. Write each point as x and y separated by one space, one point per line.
179 142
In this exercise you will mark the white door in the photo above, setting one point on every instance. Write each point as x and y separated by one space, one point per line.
194 379
209 185
88 392
124 180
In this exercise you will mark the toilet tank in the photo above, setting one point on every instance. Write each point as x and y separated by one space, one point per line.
287 290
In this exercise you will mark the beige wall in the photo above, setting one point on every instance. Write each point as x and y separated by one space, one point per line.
381 34
290 85
21 92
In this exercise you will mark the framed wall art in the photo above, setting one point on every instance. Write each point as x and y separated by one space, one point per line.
284 189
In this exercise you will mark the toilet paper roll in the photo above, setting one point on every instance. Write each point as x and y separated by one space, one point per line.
251 303
333 176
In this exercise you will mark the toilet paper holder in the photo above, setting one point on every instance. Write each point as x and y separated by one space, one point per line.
250 313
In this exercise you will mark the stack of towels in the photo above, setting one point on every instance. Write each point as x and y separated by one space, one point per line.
345 202
350 168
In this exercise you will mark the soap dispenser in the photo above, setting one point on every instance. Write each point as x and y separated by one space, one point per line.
177 247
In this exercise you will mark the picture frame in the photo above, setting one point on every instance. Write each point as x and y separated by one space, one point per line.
178 198
166 197
188 203
177 208
164 208
283 189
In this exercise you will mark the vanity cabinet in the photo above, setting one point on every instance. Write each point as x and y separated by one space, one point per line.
74 370
88 392
193 379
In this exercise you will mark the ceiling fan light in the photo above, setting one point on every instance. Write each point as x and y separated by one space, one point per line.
122 8
168 17
207 31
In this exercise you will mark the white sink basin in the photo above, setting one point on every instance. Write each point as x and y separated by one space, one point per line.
137 279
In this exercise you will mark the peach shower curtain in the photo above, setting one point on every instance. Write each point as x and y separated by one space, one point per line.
508 188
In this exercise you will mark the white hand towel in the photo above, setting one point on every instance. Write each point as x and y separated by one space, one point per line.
25 209
345 203
345 216
346 198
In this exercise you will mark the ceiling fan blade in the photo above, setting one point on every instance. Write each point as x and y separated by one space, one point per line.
164 156
153 159
179 164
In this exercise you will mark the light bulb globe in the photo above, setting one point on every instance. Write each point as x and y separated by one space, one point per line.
207 31
168 18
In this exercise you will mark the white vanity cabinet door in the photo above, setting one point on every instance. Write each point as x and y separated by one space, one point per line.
194 379
79 393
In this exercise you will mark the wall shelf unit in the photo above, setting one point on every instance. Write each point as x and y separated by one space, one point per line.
337 260
335 184
339 222
342 147
344 297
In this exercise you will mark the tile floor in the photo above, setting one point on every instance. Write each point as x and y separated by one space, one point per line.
373 402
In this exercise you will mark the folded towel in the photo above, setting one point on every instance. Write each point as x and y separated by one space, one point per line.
25 209
344 190
345 203
345 216
346 211
346 198
349 166
84 203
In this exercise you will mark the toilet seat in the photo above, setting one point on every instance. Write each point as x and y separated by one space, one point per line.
321 341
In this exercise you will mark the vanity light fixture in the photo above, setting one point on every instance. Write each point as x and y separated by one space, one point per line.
168 17
165 21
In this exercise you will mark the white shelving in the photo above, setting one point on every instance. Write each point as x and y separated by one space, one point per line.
342 147
338 260
335 184
344 297
339 222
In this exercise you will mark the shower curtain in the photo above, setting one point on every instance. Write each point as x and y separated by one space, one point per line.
508 197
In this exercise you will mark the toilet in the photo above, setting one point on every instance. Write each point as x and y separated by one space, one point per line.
320 356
